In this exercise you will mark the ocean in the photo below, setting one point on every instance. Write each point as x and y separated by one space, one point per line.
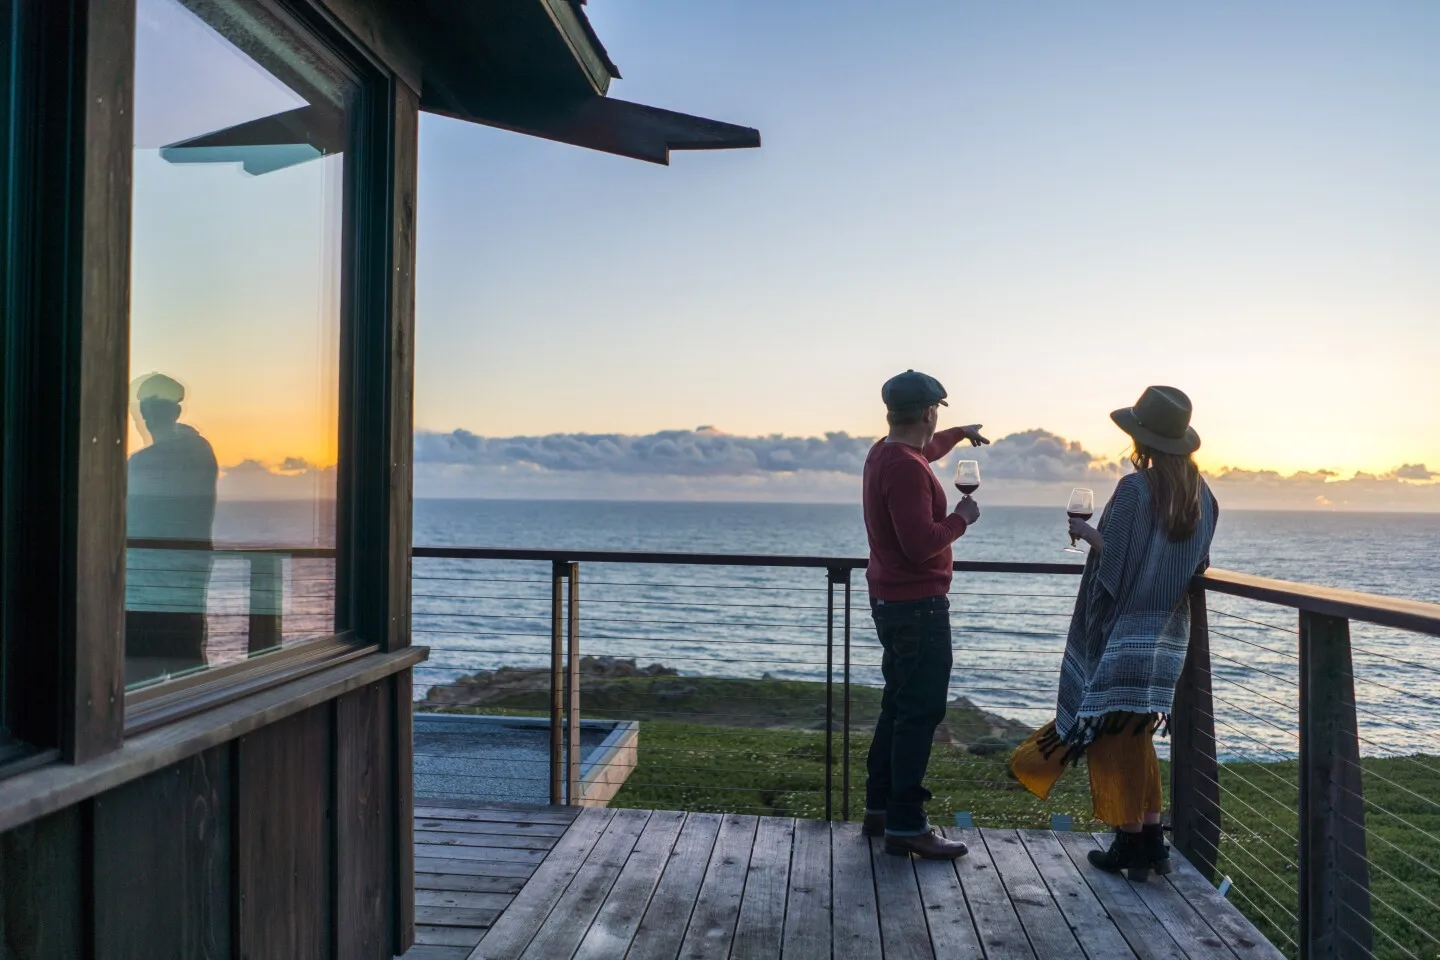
1009 630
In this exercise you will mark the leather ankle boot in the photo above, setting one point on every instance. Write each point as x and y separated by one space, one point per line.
1126 855
927 846
1157 851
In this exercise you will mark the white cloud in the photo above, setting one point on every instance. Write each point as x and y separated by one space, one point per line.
1034 467
1415 471
684 453
293 479
1041 456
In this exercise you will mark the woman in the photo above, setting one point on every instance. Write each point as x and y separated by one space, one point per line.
1129 634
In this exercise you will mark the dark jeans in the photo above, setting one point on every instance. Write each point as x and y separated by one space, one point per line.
915 635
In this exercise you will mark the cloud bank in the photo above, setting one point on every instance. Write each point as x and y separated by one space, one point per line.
293 479
1032 467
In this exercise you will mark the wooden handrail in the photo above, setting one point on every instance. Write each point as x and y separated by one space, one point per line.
1413 615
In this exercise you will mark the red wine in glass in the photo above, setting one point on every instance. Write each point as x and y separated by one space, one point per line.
967 477
1080 507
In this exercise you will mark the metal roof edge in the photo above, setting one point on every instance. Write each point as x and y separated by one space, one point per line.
579 35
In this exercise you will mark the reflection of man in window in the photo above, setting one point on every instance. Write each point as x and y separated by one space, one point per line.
171 497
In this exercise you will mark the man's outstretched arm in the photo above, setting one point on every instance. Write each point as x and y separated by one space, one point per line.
946 440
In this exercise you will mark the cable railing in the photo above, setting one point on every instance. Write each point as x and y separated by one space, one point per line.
1322 815
1303 769
255 598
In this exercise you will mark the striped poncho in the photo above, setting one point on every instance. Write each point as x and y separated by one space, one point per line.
1131 626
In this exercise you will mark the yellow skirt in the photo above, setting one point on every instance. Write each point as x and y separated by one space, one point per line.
1124 771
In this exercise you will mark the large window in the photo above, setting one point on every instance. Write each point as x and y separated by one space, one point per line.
239 220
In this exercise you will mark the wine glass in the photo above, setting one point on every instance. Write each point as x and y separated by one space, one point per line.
967 476
1080 507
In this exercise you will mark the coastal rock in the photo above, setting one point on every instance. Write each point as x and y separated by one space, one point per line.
510 684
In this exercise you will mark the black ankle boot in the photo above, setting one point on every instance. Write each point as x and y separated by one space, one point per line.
1126 855
1156 850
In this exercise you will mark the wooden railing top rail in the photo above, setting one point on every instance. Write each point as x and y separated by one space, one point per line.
210 546
717 559
1413 615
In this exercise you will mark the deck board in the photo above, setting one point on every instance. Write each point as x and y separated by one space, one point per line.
1190 931
656 885
761 928
515 928
904 934
1228 923
857 918
807 904
952 929
615 925
1092 926
1146 935
998 926
562 931
1040 915
717 909
663 927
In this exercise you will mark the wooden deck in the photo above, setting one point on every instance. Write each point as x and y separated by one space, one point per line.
547 883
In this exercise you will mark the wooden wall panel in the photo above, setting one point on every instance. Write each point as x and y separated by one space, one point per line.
364 808
284 840
162 863
404 173
402 694
95 706
41 900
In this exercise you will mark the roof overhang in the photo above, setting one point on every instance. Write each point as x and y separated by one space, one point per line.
537 67
531 66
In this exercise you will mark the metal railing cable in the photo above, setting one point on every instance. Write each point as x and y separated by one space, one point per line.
741 705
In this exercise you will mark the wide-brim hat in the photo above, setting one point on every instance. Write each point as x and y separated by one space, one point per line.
1160 420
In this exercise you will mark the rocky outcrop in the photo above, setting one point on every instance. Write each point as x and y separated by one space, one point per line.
507 684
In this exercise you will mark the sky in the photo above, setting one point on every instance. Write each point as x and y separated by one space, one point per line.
1046 206
235 278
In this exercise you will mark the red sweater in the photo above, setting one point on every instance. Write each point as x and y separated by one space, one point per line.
907 520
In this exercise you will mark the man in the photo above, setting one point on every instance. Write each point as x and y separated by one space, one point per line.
909 577
171 496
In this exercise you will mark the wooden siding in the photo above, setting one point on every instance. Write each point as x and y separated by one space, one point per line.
281 842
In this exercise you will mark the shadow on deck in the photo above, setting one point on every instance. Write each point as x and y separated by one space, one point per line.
550 883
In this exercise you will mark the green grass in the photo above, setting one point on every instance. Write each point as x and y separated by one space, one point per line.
757 746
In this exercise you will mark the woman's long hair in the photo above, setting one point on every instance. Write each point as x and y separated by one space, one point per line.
1174 489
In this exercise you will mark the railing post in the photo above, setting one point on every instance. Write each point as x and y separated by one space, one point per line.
267 595
1194 773
573 794
832 576
845 735
1334 871
557 681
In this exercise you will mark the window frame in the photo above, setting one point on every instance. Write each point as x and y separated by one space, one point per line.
64 367
362 368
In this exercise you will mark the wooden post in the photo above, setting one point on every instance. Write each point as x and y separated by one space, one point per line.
267 595
404 171
832 575
573 794
557 681
1334 871
1194 773
845 728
